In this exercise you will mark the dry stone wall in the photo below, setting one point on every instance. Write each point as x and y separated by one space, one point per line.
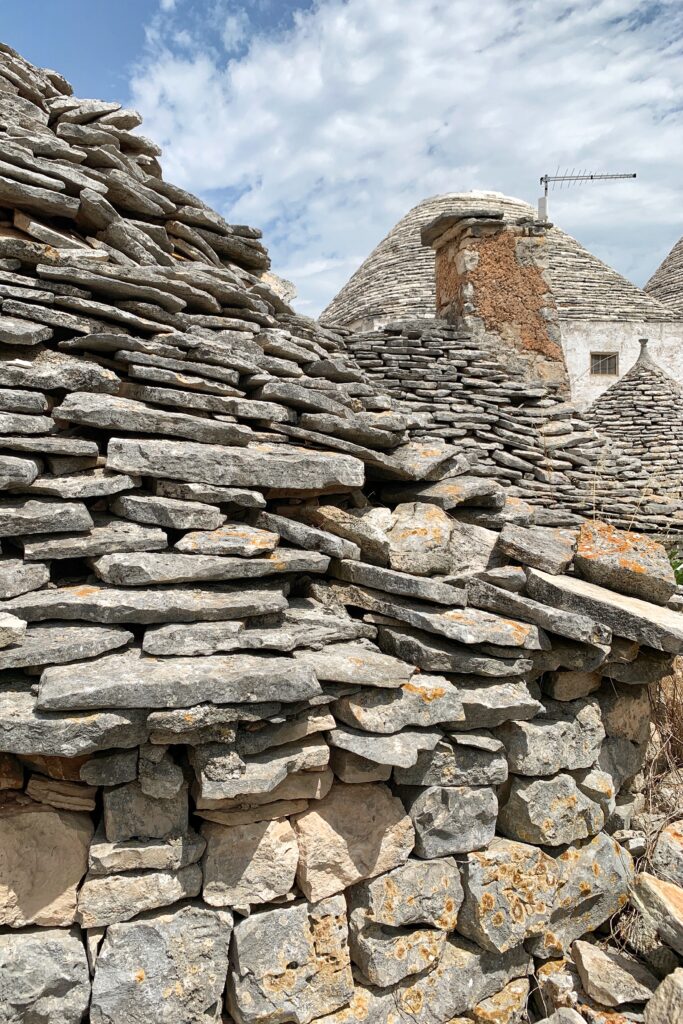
296 723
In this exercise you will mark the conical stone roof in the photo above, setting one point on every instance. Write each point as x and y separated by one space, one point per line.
643 413
396 281
666 284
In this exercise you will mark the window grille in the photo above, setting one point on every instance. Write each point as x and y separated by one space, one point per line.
605 364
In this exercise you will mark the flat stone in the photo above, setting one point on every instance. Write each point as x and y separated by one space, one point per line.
135 680
399 748
114 898
666 1004
450 819
159 775
625 711
474 549
41 888
365 528
308 537
12 629
467 759
108 534
169 966
355 832
360 665
229 539
630 617
549 812
18 578
47 370
261 466
37 515
429 701
296 957
222 778
662 904
611 977
451 493
594 881
418 892
168 512
568 685
205 723
545 548
354 769
16 472
68 796
22 401
509 893
401 583
626 562
667 857
385 956
94 483
432 654
22 332
59 643
487 704
24 729
43 976
110 768
568 736
210 494
101 603
249 864
130 814
299 785
145 569
257 738
143 854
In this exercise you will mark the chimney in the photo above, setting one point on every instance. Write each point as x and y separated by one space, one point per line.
491 277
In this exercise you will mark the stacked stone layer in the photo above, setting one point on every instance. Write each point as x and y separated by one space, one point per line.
296 723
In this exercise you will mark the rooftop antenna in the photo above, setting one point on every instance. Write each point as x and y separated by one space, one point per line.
570 179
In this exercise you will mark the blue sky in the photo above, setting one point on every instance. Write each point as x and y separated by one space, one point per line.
324 122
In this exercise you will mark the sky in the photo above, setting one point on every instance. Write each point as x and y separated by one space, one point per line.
324 122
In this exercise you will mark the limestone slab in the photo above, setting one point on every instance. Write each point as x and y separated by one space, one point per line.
43 976
248 864
116 898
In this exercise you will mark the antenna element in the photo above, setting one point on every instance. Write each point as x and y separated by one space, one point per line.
553 179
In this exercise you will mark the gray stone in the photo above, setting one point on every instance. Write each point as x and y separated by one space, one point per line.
257 738
548 549
355 832
43 976
12 629
208 493
18 578
429 701
364 527
167 966
24 729
487 704
549 812
308 537
230 539
356 664
59 643
611 977
37 515
22 401
432 654
143 854
145 569
473 550
101 603
418 892
402 583
625 711
130 814
626 562
265 466
666 1005
18 423
22 332
46 370
468 759
168 512
15 472
509 893
135 680
419 540
110 768
386 956
662 904
568 736
353 769
667 856
450 819
107 535
222 777
451 493
594 882
205 723
39 887
629 617
159 775
296 957
568 685
248 864
399 748
113 898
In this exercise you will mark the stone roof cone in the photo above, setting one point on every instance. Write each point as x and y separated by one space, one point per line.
666 284
643 412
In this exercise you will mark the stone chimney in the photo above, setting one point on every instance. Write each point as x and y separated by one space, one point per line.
491 277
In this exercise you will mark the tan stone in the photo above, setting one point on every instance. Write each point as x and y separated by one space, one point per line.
54 767
11 772
248 864
356 832
506 1007
68 796
43 857
569 685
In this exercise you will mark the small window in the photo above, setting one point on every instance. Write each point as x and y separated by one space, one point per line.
605 364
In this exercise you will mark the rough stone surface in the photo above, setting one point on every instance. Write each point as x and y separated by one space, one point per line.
610 977
450 819
43 976
248 864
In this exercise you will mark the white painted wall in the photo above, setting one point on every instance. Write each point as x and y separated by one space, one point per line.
581 337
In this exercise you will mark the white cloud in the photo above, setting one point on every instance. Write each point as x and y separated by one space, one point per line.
329 130
167 5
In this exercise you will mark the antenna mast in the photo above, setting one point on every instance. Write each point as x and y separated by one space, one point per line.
570 179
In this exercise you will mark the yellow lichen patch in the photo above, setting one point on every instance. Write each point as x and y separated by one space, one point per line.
426 695
139 976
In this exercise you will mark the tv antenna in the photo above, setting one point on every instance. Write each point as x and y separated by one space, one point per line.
570 179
